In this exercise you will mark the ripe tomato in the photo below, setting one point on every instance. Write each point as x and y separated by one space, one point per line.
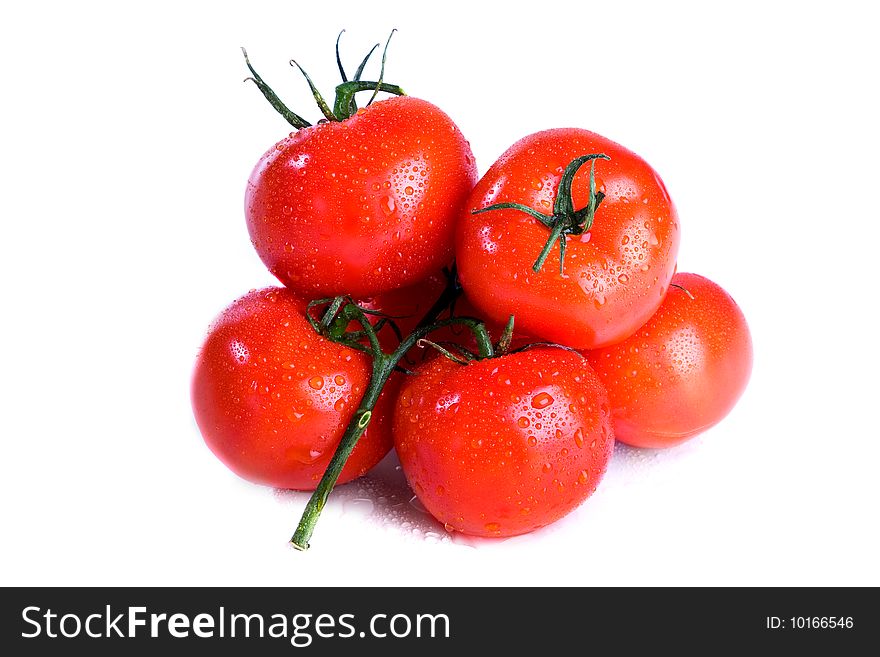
615 274
683 371
503 446
363 205
272 397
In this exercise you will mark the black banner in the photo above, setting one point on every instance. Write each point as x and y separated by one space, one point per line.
106 621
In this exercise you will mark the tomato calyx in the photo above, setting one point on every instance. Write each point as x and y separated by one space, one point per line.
344 105
565 220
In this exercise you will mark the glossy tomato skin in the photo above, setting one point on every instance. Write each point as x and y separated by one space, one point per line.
272 398
683 371
364 205
616 274
504 446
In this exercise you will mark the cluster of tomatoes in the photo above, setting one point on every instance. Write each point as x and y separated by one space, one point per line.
502 380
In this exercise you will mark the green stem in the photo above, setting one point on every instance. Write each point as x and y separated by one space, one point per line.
357 76
344 105
339 59
555 234
382 69
383 366
290 116
319 99
443 351
345 94
565 220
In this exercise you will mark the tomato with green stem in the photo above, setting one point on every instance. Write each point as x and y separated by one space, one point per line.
574 234
272 397
502 446
366 200
683 371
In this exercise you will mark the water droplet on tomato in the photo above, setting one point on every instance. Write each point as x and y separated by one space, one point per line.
492 527
408 190
339 405
541 400
583 477
316 382
339 379
533 441
579 437
239 351
387 204
523 422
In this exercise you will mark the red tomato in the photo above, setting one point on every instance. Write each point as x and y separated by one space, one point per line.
272 397
615 274
364 205
503 446
683 371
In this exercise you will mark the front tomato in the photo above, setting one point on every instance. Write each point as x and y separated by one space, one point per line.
615 273
272 397
363 205
503 446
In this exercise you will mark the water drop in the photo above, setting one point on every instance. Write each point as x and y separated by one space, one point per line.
239 351
387 205
541 400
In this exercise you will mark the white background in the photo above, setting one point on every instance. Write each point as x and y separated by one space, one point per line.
126 139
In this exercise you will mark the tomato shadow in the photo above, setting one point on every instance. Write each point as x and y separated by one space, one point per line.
636 465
